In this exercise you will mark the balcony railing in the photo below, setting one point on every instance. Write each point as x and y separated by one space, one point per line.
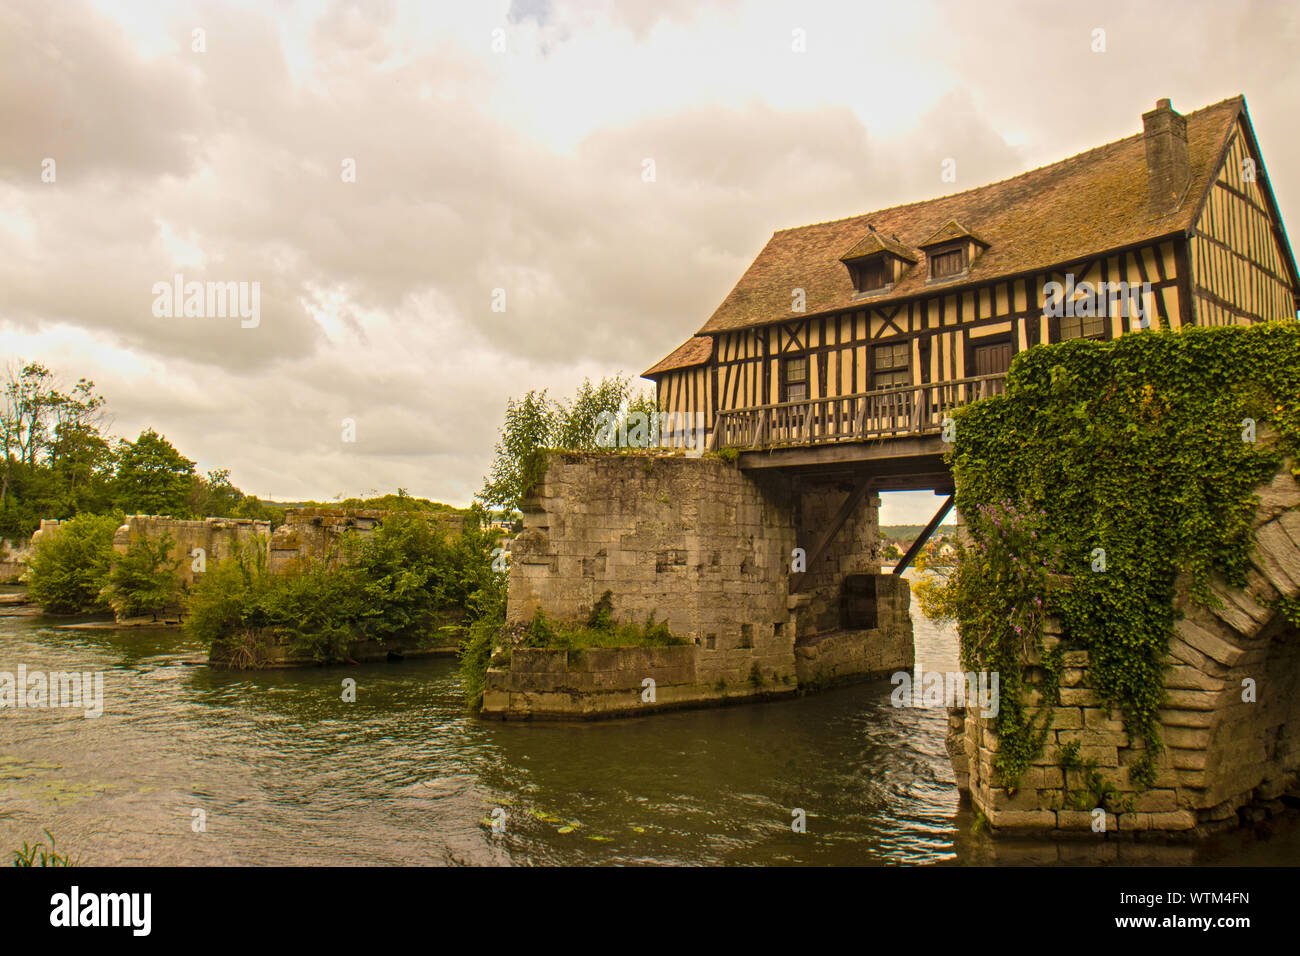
884 413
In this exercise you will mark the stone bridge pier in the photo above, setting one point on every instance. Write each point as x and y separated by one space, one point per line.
773 580
1230 723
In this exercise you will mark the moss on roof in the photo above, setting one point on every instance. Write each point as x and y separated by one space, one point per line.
950 231
874 242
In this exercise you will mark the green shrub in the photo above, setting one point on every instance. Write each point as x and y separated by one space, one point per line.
143 580
483 634
600 631
542 632
221 597
70 567
602 613
407 581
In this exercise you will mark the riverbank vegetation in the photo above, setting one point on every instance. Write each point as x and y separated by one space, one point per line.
1114 469
600 630
38 854
77 571
536 424
58 459
409 580
70 569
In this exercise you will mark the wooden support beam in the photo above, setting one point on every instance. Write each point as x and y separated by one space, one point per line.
924 536
851 504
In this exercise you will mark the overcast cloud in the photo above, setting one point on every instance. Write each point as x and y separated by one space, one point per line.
521 169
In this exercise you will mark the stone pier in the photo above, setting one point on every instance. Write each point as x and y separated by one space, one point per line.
1230 723
711 551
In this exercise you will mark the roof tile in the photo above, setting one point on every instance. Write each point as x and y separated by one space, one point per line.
1057 214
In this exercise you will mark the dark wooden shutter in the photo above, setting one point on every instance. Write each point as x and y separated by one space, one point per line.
992 359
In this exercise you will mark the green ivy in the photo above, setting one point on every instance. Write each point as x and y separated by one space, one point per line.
1096 791
1139 447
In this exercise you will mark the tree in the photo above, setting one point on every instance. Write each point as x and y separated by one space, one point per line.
24 425
82 465
535 424
55 463
214 495
528 430
143 580
152 477
70 567
578 423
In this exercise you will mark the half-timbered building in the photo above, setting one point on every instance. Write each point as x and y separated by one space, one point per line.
870 327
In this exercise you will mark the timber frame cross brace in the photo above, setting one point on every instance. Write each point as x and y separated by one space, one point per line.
851 504
924 536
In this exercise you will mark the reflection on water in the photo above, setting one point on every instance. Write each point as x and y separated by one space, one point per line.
287 773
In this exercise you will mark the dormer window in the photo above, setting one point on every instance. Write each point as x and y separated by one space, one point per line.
877 262
871 275
951 250
947 261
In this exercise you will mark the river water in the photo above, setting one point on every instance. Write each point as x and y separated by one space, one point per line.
285 772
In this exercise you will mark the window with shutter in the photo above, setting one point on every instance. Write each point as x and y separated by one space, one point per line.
947 262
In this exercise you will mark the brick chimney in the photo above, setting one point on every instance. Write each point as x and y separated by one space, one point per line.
1169 170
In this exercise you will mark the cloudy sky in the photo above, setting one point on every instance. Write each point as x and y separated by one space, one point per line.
501 146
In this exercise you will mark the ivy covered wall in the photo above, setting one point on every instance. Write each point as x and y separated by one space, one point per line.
1114 488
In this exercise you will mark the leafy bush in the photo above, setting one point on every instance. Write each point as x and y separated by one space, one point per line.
70 567
483 634
536 423
602 613
143 580
543 632
217 605
998 594
408 579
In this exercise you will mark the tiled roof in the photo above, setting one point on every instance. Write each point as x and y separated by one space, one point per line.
949 231
1079 207
694 351
875 242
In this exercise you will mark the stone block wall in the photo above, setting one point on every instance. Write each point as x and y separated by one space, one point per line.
600 682
314 533
833 656
855 550
691 540
707 549
218 537
1230 724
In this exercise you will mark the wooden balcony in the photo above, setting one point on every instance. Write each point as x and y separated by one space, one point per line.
907 412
